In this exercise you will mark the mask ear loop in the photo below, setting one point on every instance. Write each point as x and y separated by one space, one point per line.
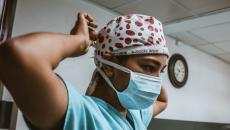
98 61
117 66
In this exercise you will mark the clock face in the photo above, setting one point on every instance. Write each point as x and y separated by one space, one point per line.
178 70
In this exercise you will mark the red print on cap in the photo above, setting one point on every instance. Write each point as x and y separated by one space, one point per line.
139 34
138 23
150 20
128 26
128 40
150 40
130 32
150 28
101 38
119 45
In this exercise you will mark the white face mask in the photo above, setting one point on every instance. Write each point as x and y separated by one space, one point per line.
142 90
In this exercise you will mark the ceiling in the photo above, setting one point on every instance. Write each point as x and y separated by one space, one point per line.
210 34
203 24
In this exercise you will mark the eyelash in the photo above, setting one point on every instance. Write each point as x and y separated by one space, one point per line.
150 68
163 70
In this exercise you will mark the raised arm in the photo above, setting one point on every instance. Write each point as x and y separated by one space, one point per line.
161 103
26 68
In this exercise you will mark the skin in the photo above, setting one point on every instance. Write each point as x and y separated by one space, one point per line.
150 64
26 68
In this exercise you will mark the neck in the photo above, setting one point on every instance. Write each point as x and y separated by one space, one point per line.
106 93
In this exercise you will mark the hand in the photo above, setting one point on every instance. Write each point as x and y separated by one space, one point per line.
84 27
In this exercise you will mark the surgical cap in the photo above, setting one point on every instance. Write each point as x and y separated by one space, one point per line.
131 35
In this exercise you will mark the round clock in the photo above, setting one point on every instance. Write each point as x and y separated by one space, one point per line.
177 70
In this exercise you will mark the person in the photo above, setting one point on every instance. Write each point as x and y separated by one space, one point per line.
126 88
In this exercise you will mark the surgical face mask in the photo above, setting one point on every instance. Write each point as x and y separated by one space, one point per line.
142 90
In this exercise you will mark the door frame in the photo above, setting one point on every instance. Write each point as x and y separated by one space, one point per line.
6 28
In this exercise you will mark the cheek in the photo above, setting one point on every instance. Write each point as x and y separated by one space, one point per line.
121 80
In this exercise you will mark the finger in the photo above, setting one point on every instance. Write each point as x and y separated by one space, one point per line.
93 24
93 35
82 14
91 29
85 16
89 18
73 30
81 17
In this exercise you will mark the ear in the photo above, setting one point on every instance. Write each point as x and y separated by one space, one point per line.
109 71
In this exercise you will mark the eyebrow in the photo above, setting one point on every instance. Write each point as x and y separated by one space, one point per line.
152 60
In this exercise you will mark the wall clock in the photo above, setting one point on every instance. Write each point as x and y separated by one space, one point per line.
177 70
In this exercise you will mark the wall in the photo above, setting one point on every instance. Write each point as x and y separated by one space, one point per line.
59 16
204 98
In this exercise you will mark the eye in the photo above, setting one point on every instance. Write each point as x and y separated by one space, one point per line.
148 68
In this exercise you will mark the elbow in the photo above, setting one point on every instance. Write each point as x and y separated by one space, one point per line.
9 48
10 53
159 107
6 49
164 104
12 59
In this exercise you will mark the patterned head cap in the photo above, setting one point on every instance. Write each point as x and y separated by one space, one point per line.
131 34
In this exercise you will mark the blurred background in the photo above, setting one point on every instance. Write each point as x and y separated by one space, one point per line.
199 30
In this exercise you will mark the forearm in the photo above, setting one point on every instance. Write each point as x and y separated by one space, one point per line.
50 48
161 103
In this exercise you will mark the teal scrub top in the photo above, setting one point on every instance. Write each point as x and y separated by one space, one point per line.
91 113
